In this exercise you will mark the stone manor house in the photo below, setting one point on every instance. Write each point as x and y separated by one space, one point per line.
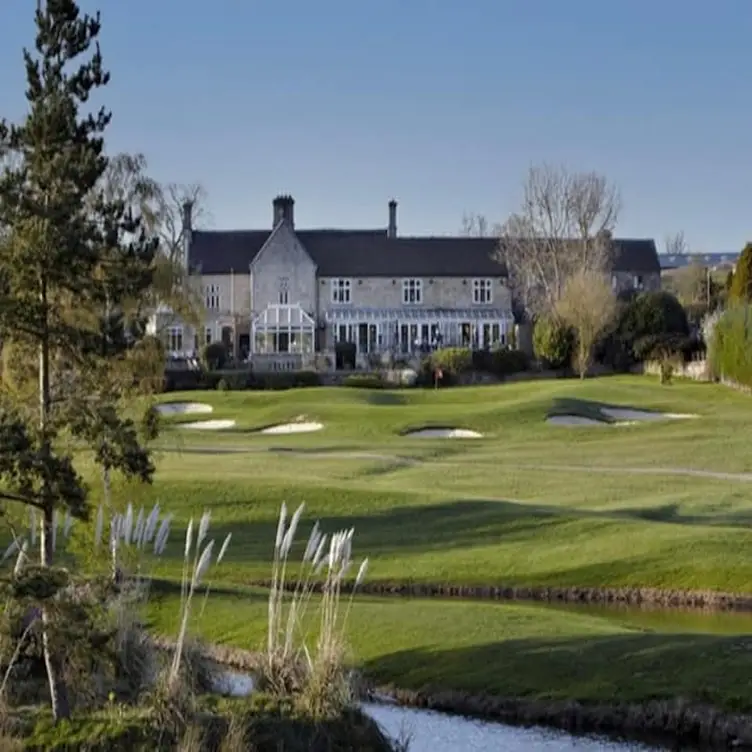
277 296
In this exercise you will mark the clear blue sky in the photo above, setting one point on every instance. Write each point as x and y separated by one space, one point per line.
442 104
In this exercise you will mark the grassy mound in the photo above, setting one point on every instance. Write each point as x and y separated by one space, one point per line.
262 724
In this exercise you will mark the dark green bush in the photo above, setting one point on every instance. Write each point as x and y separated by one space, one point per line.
650 314
214 356
505 362
284 380
364 381
730 354
553 343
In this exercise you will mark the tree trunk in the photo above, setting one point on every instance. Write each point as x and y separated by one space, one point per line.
58 689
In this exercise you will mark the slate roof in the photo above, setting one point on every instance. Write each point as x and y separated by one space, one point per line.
370 253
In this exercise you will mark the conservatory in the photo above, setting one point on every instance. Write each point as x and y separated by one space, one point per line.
409 330
282 329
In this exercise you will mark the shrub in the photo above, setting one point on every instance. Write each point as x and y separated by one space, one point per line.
214 356
651 314
364 381
553 343
452 360
730 353
504 362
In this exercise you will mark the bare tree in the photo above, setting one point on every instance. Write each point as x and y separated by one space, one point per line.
676 244
587 304
168 221
475 225
564 226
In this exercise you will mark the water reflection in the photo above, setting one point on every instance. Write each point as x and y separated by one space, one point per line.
429 731
435 732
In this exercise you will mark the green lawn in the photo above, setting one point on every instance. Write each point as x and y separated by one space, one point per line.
529 504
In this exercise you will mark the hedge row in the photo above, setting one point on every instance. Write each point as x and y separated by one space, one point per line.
730 350
181 381
453 361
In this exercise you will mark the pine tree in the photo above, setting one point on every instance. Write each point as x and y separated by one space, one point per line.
71 260
741 285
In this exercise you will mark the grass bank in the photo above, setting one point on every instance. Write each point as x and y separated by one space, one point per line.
683 675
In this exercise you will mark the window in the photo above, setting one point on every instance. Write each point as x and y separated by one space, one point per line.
175 339
637 282
614 282
208 335
284 291
211 297
341 291
482 291
412 291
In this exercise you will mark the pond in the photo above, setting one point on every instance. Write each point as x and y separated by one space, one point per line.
666 620
429 731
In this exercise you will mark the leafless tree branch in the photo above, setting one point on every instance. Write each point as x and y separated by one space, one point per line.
563 226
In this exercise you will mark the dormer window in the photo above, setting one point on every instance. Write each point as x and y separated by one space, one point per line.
341 291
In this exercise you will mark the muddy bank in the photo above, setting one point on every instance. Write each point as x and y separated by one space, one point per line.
676 722
680 723
705 600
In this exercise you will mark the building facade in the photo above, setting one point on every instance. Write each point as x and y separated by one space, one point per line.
270 294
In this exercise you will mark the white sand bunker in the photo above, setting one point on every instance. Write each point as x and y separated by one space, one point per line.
284 428
618 413
574 420
183 408
209 425
445 433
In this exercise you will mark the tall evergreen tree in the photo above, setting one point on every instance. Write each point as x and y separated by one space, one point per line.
73 256
741 282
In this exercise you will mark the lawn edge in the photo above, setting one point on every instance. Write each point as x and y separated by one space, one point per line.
673 720
648 597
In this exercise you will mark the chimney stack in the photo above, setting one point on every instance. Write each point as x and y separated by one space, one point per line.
283 207
392 229
187 232
187 216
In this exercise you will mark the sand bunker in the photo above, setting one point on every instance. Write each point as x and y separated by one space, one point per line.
284 428
618 413
445 433
574 420
183 408
209 425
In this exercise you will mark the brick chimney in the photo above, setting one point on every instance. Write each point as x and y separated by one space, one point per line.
392 229
284 208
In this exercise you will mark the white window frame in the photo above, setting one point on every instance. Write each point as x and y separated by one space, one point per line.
638 283
412 287
208 335
284 291
175 339
482 291
341 291
212 298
